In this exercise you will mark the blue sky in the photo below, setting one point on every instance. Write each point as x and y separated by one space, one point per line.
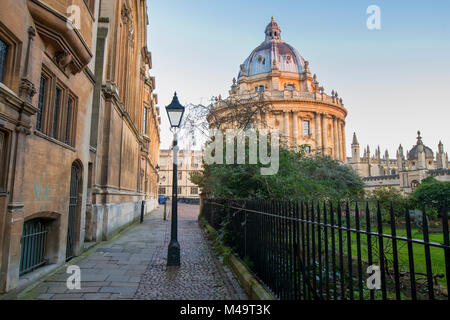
393 81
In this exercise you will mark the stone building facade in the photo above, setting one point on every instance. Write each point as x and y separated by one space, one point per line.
188 161
401 173
300 109
125 137
70 140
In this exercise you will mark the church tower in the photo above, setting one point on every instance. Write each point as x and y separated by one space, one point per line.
356 158
400 159
441 157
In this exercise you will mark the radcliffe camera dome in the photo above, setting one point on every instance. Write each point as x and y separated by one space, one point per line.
273 49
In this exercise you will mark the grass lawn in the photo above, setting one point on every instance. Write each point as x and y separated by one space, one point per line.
436 254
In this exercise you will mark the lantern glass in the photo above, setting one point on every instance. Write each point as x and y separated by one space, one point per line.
175 112
175 116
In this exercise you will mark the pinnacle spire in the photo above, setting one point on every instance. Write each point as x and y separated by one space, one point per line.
355 140
419 138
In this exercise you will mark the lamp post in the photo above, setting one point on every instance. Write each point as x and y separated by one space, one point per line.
175 113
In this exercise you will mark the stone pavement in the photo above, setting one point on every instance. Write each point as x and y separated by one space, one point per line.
133 266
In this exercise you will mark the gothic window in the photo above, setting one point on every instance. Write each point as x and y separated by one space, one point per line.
69 124
3 54
306 128
9 56
41 102
57 109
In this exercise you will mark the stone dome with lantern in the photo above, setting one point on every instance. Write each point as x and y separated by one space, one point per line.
300 109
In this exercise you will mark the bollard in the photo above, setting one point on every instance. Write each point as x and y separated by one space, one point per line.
165 218
142 210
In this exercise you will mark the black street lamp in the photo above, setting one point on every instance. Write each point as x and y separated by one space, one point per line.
175 113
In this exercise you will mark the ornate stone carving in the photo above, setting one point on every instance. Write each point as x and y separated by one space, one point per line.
307 66
27 89
62 58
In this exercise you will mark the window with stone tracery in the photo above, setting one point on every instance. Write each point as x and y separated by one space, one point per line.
57 109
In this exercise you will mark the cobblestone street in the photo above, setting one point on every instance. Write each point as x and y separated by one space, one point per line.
133 266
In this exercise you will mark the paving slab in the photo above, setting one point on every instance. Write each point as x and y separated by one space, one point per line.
133 266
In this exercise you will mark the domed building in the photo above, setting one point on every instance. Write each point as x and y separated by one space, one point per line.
304 114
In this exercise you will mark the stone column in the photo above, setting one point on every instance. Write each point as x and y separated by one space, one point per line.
335 139
325 133
27 89
9 268
286 125
266 120
344 150
317 130
338 123
300 129
295 128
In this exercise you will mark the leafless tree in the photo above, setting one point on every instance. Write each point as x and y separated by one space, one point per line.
233 112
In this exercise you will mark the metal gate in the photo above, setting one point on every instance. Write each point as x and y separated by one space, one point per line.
73 208
32 253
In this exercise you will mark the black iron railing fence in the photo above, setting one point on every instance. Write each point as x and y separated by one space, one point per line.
33 245
336 250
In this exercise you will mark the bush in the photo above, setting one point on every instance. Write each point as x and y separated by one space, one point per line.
387 196
432 194
300 177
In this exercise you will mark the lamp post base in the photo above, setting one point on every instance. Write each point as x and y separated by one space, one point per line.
173 254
